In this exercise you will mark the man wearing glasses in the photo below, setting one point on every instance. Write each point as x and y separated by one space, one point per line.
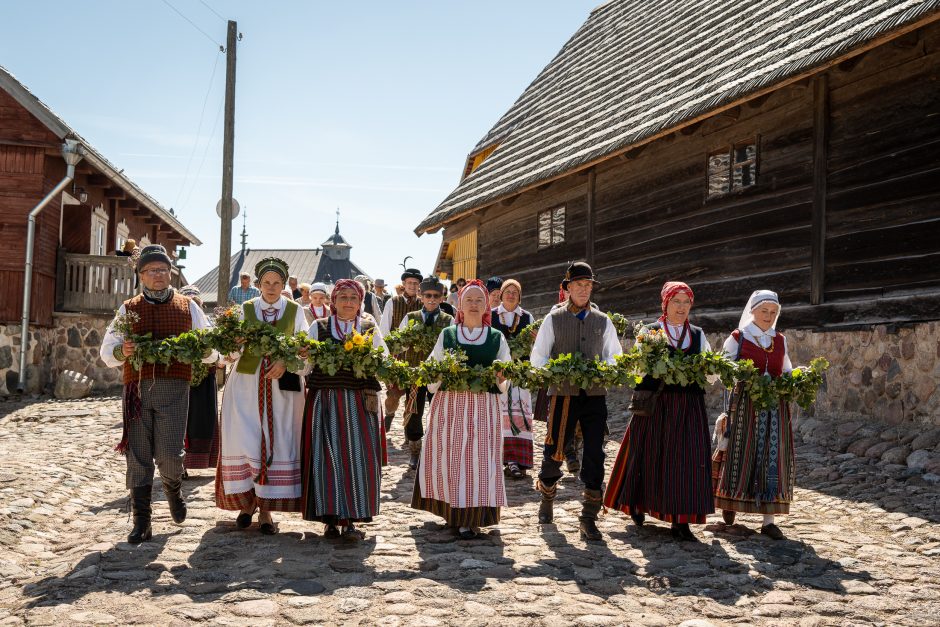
156 398
432 293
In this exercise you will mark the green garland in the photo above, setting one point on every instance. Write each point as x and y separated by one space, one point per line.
454 375
419 337
800 385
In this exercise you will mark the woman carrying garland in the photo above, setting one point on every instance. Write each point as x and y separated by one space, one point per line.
755 474
516 406
662 468
343 436
459 474
262 412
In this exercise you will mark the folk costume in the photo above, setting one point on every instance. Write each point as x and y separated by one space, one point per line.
202 424
261 419
395 309
316 312
156 398
662 467
516 405
755 474
584 330
343 436
417 397
459 474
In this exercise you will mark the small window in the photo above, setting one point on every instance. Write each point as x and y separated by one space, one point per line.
732 169
551 227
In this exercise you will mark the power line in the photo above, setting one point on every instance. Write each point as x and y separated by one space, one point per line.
205 4
193 24
202 114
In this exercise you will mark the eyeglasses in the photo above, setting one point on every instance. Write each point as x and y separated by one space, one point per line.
156 271
431 296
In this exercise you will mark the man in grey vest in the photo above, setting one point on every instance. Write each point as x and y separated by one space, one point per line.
575 327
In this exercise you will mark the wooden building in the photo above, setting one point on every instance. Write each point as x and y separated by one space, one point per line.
791 145
75 268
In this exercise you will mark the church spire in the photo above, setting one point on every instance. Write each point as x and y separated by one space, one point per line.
337 220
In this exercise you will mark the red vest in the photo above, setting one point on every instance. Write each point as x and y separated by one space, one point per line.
161 321
770 361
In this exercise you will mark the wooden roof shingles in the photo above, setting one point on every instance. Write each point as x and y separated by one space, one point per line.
635 69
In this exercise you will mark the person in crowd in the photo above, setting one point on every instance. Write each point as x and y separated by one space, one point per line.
370 304
293 287
304 299
395 310
319 306
452 297
575 328
381 293
494 284
156 398
343 435
399 291
430 314
755 474
244 291
459 473
262 415
516 406
663 468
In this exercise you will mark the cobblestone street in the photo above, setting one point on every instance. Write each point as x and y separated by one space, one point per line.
863 548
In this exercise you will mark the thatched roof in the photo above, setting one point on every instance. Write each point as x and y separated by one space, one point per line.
636 69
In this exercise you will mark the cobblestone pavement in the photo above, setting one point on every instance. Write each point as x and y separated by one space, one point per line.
863 548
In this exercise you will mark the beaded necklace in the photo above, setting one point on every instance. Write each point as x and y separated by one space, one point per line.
470 340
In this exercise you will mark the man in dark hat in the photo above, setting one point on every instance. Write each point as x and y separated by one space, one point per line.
395 309
432 295
575 328
156 398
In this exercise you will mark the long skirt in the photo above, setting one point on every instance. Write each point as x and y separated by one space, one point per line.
202 426
342 456
663 467
252 444
755 474
516 409
460 470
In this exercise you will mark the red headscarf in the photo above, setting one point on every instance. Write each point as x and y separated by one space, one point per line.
346 284
476 284
671 289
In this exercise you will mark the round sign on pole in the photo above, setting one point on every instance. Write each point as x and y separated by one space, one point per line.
235 208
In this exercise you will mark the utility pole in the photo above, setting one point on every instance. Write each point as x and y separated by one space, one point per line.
228 156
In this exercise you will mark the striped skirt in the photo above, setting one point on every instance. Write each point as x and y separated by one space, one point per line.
663 467
460 470
755 474
342 457
516 408
202 426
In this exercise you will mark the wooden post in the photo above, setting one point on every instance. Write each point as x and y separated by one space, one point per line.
589 235
820 162
228 157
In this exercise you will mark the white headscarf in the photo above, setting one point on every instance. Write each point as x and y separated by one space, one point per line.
756 299
319 287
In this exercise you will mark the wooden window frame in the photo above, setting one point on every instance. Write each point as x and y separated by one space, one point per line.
730 150
552 226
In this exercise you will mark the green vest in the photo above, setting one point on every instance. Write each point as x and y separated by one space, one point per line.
248 364
477 354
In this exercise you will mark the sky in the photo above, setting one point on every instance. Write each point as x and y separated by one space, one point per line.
367 107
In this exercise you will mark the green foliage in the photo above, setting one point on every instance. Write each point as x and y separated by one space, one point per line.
419 337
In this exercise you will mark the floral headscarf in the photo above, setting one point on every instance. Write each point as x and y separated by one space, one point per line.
671 289
347 284
475 284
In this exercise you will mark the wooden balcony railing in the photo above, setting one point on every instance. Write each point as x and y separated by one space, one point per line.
96 284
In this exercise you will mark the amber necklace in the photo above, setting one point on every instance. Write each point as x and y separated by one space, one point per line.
471 340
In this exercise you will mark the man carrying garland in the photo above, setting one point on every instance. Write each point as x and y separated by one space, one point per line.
395 310
156 398
575 327
432 294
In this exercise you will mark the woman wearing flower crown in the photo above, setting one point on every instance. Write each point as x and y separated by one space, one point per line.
755 474
343 434
662 468
460 471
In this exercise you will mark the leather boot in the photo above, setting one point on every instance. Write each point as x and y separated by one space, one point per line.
174 498
588 530
548 499
140 505
415 446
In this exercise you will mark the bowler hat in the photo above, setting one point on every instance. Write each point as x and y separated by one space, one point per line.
578 270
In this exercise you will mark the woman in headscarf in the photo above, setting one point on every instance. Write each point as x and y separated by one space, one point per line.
262 412
662 468
459 473
343 435
202 425
319 306
755 474
516 406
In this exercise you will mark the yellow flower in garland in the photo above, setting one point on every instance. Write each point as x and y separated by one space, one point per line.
358 340
348 345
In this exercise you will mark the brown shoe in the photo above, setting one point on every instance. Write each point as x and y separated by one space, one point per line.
728 515
772 531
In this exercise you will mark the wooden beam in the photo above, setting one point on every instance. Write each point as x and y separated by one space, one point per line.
758 102
114 192
733 112
691 128
544 186
849 64
589 237
820 161
140 213
909 40
128 203
508 201
97 180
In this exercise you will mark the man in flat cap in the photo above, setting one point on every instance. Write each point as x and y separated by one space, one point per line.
395 309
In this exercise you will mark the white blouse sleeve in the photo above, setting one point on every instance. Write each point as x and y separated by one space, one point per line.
378 341
612 346
787 364
542 347
385 325
730 347
504 354
112 339
436 353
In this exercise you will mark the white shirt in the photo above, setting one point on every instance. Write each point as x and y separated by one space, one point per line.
113 339
346 327
475 339
542 348
673 331
386 323
507 317
753 333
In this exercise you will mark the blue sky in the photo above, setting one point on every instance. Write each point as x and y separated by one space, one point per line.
370 107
